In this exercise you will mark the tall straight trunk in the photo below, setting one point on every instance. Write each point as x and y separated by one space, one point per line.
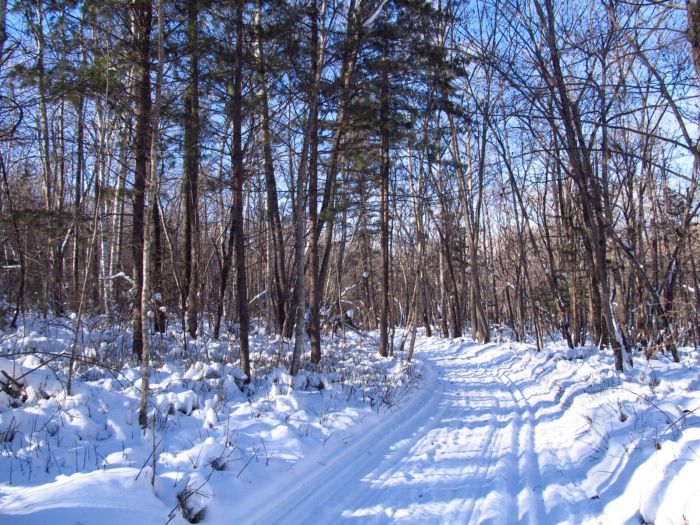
449 292
96 266
151 200
384 214
444 307
153 252
480 329
368 272
107 155
277 252
314 278
270 311
143 16
226 247
156 258
299 293
114 285
572 264
59 252
79 175
191 182
480 325
418 293
551 268
444 304
353 40
237 226
309 156
77 202
290 315
617 295
472 212
55 298
340 263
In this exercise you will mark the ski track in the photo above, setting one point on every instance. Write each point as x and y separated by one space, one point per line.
460 450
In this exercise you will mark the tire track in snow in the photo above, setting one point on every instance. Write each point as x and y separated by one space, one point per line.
485 456
459 451
493 466
482 509
531 498
320 482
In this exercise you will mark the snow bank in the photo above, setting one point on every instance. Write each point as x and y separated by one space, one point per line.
73 458
624 446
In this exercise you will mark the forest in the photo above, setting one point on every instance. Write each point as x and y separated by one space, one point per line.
368 261
510 168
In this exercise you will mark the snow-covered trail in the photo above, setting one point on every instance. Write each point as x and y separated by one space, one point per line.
495 434
461 451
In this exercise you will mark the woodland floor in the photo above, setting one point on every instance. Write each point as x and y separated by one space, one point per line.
495 433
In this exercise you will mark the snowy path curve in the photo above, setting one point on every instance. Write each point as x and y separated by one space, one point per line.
461 450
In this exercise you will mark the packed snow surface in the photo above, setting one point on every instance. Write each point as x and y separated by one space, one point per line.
495 433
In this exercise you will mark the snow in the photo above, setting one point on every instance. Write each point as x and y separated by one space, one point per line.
106 497
469 433
373 16
118 275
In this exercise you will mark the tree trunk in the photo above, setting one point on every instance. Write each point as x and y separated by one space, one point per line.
314 277
142 20
77 204
384 215
191 182
237 226
156 259
595 225
114 285
299 291
151 200
19 298
272 206
472 212
153 250
693 33
327 216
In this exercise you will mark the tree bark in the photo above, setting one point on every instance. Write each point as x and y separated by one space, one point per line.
314 277
472 212
151 199
142 20
384 213
272 205
352 43
693 33
589 191
191 182
237 227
